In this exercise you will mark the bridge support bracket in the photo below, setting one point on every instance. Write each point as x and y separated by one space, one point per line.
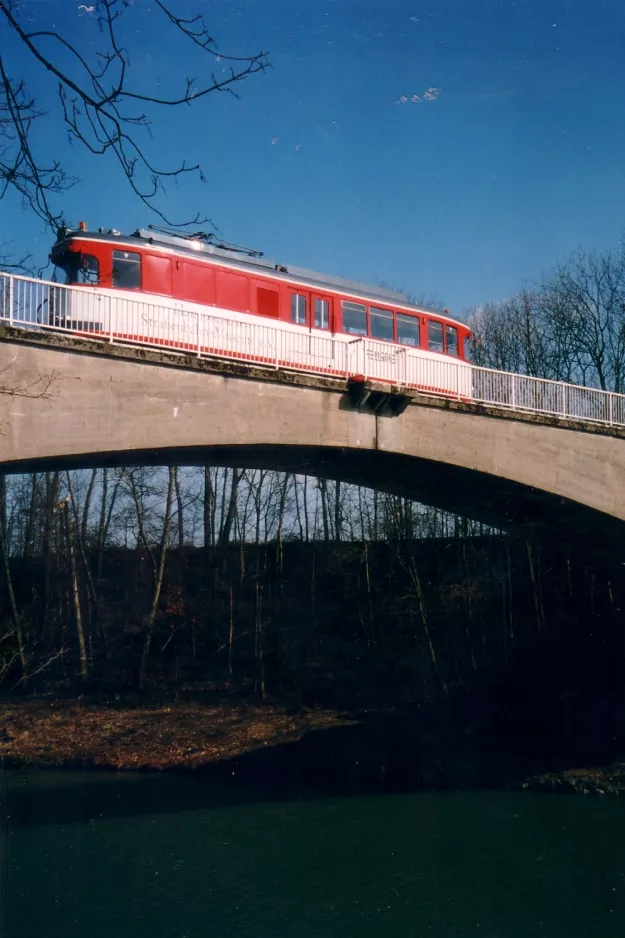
383 401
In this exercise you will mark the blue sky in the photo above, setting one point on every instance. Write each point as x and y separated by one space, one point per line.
518 158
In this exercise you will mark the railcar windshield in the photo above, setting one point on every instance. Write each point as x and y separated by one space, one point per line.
79 268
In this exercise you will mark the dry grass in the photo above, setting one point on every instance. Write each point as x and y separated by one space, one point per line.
188 735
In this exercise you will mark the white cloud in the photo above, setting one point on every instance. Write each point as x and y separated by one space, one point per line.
430 95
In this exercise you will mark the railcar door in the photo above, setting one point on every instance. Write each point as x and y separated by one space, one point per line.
321 312
300 308
322 348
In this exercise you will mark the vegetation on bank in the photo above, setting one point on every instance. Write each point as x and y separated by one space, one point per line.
608 780
126 593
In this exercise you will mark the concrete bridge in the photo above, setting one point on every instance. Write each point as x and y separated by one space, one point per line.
69 402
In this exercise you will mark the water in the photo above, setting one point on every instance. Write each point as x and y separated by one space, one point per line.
102 855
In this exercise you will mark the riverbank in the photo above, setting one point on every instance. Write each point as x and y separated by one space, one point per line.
187 735
607 780
270 738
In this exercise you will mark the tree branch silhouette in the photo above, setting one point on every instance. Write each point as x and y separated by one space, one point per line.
100 105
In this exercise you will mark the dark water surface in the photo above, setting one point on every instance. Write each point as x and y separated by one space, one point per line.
119 856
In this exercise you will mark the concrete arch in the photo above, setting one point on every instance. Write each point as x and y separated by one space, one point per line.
106 405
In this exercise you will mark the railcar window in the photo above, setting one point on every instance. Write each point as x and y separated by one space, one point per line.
88 270
354 318
408 330
298 308
322 314
451 340
435 335
126 270
381 324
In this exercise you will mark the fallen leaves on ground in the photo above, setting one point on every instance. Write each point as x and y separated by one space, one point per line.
185 735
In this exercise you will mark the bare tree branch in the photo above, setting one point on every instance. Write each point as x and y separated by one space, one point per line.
97 104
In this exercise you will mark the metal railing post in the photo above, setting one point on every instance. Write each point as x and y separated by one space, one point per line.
10 300
199 353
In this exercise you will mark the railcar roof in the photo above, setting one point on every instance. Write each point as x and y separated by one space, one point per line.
194 248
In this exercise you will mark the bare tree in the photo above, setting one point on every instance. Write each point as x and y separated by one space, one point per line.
516 335
585 300
570 327
99 100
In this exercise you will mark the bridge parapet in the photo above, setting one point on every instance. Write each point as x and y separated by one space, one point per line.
29 303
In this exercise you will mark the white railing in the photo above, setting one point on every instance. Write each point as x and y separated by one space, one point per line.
34 304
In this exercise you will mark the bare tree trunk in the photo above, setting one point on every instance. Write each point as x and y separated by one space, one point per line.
80 528
179 509
209 510
17 619
29 535
415 579
85 512
227 522
323 490
51 501
375 514
231 633
510 594
158 581
104 523
259 675
469 594
283 493
338 514
80 632
369 596
306 522
298 514
535 587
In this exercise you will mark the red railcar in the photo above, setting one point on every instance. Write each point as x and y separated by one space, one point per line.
197 271
196 275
